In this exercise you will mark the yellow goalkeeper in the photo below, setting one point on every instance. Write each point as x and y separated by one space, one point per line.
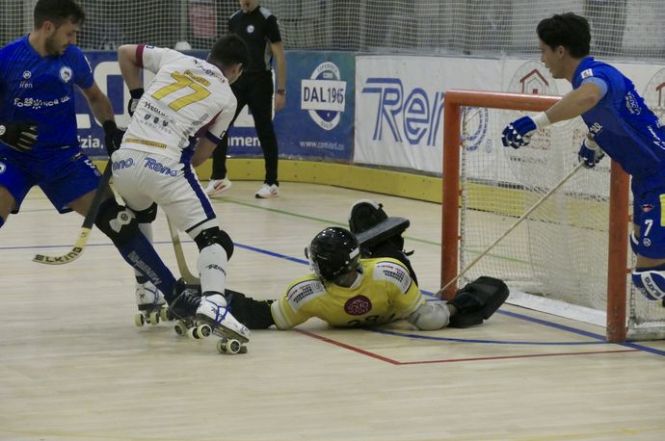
365 280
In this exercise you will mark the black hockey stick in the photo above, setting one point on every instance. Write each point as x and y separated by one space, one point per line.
86 227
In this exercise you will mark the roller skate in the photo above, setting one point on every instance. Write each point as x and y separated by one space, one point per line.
201 317
182 308
151 304
213 316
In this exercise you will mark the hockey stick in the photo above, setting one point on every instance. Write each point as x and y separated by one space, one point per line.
86 227
186 274
512 227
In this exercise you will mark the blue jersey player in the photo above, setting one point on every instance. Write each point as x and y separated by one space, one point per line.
619 123
38 136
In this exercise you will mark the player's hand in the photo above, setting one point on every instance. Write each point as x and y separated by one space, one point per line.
112 136
280 101
134 100
590 153
518 133
20 136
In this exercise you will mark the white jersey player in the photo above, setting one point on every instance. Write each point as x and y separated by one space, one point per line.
154 163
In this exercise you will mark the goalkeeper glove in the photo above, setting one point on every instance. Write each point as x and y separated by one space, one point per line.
112 136
590 153
518 133
134 100
20 136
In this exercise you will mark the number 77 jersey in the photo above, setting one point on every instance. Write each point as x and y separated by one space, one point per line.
185 95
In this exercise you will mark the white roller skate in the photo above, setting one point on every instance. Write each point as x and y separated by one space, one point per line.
151 304
213 317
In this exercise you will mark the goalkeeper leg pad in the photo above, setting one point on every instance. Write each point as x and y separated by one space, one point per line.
650 282
382 232
477 301
385 240
364 215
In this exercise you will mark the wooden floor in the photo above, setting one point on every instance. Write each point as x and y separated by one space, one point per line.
74 367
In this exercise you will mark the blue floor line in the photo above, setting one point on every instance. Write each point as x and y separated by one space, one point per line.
485 341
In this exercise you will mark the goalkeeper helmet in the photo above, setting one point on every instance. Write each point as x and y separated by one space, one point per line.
332 252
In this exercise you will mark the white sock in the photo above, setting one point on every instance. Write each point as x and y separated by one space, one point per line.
211 265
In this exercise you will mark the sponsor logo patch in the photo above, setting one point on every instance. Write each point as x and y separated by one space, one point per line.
358 305
65 74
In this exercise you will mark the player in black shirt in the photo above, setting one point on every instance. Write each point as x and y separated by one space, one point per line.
257 26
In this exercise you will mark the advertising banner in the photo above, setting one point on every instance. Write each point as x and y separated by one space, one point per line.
399 106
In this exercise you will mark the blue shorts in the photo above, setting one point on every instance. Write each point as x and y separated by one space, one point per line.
648 215
63 174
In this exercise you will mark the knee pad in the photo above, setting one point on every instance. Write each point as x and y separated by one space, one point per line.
146 216
116 221
213 236
650 282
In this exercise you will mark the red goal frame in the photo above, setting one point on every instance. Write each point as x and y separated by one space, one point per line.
450 234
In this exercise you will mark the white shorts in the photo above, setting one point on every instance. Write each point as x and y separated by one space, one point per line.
143 178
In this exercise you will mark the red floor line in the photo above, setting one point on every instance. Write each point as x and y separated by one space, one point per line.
451 360
349 347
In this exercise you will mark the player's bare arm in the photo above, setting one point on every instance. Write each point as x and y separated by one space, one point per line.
130 69
575 103
280 66
203 151
103 110
99 103
129 66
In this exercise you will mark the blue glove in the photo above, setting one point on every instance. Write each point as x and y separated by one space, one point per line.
518 133
590 153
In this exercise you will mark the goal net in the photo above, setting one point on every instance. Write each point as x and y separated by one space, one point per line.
631 28
570 255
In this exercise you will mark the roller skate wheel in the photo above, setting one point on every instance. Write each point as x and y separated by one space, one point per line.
153 317
139 319
221 346
180 328
164 314
230 346
204 330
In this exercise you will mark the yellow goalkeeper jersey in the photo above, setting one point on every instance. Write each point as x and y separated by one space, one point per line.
383 292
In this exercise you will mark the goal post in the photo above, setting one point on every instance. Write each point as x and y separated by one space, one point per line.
498 191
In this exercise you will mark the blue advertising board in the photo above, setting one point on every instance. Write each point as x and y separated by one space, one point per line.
317 121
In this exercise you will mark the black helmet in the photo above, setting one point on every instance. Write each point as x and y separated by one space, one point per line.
332 252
